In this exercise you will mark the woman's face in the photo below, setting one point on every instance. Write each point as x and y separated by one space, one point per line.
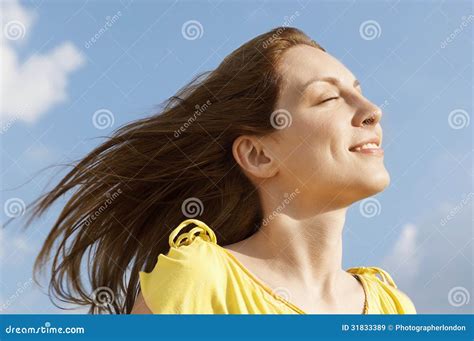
319 152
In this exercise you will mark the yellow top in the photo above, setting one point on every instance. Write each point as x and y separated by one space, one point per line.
197 276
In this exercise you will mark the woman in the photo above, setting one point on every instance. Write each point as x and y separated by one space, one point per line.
267 152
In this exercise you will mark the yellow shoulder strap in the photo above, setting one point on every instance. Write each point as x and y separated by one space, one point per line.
373 270
204 232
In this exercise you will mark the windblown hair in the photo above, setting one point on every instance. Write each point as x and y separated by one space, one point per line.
131 191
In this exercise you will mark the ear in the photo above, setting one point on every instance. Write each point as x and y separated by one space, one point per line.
254 157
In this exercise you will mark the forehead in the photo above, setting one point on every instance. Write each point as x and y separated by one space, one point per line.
302 63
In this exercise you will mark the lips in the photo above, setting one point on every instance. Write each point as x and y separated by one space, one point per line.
369 146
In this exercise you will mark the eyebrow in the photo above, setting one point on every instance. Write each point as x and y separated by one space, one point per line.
331 80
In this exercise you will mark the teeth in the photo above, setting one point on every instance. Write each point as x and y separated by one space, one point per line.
367 146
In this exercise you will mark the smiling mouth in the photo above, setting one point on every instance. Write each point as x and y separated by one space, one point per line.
370 148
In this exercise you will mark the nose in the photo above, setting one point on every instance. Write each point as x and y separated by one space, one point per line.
367 113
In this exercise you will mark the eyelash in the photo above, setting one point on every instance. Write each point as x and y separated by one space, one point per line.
329 99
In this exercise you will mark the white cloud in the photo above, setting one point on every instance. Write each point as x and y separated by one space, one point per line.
403 254
30 88
430 258
14 17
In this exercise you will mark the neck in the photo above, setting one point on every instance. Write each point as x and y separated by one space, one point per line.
309 249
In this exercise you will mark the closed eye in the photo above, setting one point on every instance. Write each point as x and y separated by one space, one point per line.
329 99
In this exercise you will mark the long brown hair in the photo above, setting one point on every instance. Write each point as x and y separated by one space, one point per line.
132 190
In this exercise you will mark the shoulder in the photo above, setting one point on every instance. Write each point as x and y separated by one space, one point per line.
383 294
140 307
187 278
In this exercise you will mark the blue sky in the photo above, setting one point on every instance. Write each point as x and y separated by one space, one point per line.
413 58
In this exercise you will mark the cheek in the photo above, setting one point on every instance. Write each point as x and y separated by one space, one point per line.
324 136
310 144
313 127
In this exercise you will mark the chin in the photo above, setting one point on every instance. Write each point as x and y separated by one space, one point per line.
376 183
